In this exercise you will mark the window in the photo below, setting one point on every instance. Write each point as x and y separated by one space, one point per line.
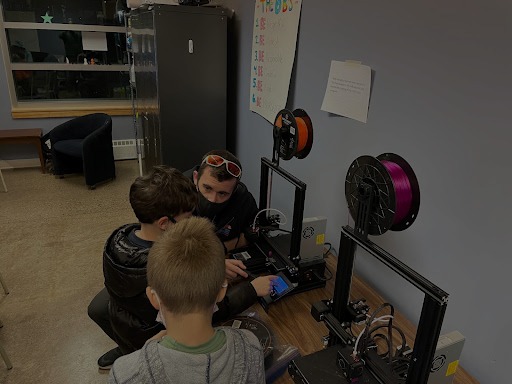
65 56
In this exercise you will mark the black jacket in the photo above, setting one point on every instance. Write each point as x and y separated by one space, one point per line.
131 314
124 266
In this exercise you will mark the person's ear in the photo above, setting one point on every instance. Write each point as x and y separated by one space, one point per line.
195 176
151 294
163 223
222 292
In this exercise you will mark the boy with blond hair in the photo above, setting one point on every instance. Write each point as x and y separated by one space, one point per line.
186 276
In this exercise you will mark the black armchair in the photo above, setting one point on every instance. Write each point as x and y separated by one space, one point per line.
84 144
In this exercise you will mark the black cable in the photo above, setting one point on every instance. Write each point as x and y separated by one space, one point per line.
402 335
331 249
366 332
328 250
385 338
330 273
321 278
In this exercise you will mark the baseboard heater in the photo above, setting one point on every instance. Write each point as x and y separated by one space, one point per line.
124 149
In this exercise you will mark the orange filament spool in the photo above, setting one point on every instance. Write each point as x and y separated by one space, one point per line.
305 133
279 121
293 134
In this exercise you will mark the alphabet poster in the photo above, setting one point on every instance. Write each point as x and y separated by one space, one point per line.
274 40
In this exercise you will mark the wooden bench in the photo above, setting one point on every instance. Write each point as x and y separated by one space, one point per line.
24 136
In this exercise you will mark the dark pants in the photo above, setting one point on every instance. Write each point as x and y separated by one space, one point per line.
98 312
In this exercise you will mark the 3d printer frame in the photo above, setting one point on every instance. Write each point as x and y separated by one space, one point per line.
289 263
432 313
272 256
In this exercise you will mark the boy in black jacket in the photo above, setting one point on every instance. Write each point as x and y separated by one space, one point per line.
122 309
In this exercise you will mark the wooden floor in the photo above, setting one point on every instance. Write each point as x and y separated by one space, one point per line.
292 323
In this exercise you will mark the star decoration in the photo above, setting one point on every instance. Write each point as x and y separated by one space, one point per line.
47 18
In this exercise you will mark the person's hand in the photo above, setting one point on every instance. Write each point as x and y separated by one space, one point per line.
235 268
159 335
263 285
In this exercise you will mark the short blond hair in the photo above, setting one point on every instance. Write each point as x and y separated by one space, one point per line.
186 266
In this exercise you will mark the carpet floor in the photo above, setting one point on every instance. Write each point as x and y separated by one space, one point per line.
52 233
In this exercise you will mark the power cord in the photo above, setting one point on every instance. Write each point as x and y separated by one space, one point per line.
331 249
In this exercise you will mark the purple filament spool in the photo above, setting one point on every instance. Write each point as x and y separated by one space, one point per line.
403 190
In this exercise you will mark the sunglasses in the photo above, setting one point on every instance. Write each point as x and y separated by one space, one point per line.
217 161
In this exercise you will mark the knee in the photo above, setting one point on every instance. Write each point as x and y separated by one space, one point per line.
93 311
98 308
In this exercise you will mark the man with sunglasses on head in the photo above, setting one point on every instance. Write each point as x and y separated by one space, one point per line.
227 202
223 198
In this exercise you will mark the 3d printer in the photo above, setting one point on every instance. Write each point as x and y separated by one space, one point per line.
293 136
382 193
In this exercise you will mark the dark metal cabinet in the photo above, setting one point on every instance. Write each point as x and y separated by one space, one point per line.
180 62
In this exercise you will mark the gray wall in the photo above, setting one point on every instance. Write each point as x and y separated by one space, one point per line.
441 100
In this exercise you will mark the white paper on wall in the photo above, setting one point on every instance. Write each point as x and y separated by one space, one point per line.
348 90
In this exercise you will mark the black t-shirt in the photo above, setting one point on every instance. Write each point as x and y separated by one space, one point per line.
238 214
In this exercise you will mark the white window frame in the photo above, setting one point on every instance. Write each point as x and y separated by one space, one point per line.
60 108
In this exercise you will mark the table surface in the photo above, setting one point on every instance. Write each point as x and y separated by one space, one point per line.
17 133
291 321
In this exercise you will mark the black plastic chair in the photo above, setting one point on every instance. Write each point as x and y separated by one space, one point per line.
84 144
